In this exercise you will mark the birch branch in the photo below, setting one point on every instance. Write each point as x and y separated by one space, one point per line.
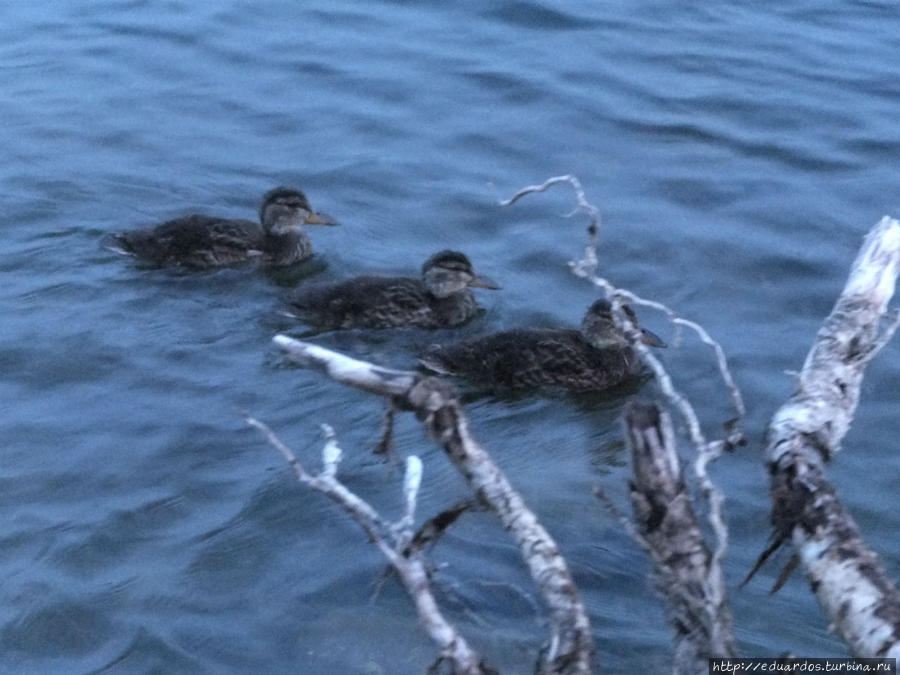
692 585
407 561
846 576
571 647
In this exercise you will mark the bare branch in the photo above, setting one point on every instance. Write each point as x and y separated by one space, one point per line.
583 204
846 576
409 564
346 370
435 402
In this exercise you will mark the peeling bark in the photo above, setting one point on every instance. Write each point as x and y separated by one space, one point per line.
686 573
846 576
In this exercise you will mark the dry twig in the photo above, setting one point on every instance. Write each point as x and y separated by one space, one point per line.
394 540
586 268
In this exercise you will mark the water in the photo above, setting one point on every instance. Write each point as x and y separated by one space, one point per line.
738 154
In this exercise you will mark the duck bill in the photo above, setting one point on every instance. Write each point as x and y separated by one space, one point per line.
319 219
484 282
651 339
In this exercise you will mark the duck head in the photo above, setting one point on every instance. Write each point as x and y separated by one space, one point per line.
450 272
602 332
285 208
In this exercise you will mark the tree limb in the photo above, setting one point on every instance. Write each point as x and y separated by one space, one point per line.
571 647
846 576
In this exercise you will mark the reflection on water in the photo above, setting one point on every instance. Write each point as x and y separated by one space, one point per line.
737 153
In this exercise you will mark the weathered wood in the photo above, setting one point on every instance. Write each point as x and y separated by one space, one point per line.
393 540
687 575
846 576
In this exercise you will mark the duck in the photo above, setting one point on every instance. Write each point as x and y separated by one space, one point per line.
201 241
596 358
441 298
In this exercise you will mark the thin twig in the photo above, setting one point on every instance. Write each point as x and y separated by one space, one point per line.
409 564
586 268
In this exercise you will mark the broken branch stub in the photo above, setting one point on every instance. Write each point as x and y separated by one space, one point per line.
688 576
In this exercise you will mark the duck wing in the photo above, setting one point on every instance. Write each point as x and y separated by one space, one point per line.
529 359
567 360
195 240
365 302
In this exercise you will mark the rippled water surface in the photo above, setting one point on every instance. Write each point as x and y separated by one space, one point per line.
738 155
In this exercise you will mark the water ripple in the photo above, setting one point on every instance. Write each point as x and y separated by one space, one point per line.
536 16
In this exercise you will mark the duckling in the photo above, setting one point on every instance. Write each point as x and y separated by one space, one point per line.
441 298
205 241
597 357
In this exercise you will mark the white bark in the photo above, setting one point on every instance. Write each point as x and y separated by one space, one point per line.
846 576
571 647
407 561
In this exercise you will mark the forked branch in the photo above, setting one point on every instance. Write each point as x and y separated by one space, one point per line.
571 646
394 540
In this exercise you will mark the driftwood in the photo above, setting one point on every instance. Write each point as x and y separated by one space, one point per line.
667 527
846 576
570 649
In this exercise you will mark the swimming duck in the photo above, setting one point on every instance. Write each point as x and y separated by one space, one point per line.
597 357
441 298
206 241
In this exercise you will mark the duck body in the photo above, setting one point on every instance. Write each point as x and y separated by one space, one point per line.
441 298
202 241
533 358
382 302
595 358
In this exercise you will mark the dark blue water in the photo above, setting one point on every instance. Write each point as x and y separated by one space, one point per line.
738 154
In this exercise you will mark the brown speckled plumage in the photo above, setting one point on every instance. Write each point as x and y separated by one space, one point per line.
596 358
206 241
441 298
